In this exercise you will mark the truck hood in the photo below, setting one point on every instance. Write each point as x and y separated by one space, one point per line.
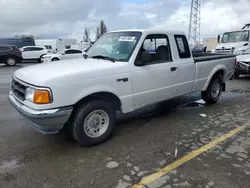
245 57
69 70
231 45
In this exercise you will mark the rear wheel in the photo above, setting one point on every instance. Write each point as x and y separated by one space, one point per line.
10 61
93 123
214 90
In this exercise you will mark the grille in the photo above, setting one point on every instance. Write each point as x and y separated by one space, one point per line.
18 89
244 65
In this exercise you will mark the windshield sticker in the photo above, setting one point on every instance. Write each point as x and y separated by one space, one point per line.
180 45
127 38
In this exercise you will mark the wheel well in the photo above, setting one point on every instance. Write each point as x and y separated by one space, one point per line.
220 73
41 56
13 56
104 96
55 58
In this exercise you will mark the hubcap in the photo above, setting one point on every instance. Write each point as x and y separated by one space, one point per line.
11 61
96 123
215 90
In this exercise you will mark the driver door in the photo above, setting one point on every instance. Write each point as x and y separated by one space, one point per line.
156 80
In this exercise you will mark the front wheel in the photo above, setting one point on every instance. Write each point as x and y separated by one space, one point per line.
10 61
214 90
93 123
236 75
40 58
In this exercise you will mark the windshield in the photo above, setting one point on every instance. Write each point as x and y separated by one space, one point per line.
60 52
237 36
117 45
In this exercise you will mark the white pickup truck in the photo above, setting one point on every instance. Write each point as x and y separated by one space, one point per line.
124 70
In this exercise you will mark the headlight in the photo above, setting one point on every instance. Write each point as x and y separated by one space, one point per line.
239 52
29 94
38 96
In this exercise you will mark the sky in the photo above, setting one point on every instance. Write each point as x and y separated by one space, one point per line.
69 18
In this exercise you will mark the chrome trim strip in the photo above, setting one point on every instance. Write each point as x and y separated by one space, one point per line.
48 121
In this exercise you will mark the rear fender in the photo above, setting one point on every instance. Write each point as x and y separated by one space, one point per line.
213 72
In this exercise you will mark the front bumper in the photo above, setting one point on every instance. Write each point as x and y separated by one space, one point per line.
46 121
46 60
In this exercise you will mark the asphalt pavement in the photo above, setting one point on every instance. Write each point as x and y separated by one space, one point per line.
144 144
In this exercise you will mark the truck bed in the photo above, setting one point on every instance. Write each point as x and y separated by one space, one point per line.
199 57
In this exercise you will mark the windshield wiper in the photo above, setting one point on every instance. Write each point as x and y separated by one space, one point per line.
103 57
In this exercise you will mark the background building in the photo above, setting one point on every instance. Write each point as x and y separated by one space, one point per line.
211 43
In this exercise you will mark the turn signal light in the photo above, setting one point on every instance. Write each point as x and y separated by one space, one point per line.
41 97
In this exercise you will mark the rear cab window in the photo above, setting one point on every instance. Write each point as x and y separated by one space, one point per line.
182 46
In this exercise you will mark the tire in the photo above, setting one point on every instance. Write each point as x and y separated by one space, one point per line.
55 59
82 119
214 90
10 61
236 75
40 58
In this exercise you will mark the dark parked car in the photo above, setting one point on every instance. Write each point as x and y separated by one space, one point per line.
10 55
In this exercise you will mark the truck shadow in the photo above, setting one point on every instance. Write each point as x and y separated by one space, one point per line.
244 78
127 123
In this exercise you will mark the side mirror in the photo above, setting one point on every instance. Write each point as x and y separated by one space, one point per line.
145 58
218 39
139 63
63 53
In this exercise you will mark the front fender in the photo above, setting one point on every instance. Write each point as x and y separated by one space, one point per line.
213 72
94 89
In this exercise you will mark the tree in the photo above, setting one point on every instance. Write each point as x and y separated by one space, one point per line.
86 35
103 28
97 33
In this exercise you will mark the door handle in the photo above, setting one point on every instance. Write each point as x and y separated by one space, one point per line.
173 68
122 80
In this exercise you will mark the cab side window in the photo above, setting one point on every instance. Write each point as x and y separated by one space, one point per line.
36 49
76 51
158 47
69 51
27 49
182 46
